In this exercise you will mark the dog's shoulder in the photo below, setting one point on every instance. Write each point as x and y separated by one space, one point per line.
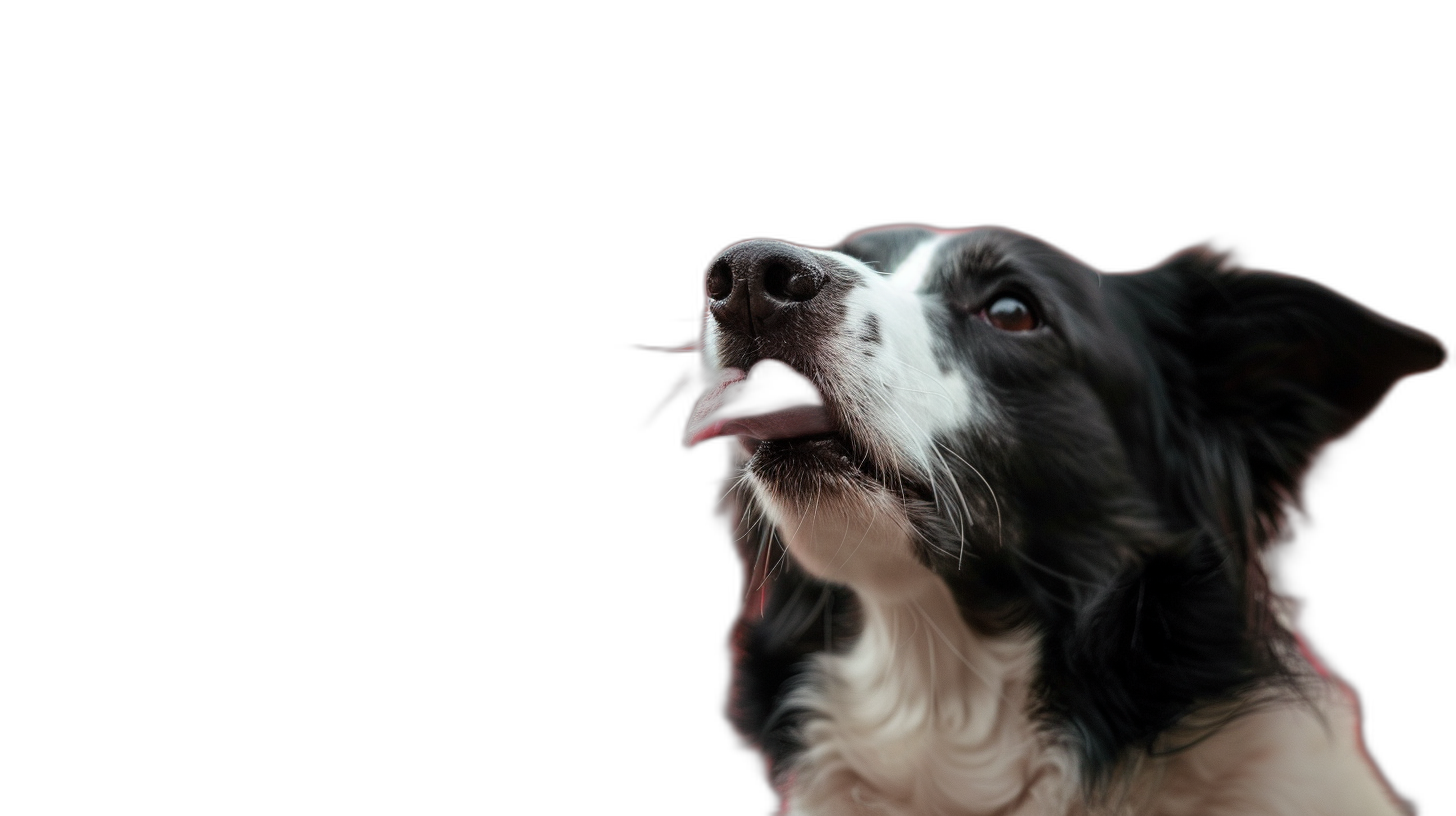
1295 756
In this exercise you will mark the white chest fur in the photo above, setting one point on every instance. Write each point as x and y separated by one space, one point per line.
924 716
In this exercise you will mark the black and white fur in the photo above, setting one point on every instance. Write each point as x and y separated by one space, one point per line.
1024 574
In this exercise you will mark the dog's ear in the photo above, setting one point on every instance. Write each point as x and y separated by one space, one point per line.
1258 370
1267 347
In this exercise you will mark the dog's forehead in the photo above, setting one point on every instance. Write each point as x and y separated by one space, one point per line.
990 250
937 257
885 248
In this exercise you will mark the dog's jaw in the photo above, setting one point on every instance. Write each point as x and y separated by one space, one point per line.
855 536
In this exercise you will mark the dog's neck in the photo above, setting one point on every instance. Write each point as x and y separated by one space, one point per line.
924 715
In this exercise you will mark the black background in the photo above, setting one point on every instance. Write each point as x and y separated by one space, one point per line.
1351 214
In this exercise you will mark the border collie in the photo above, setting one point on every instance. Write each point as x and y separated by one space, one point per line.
1002 519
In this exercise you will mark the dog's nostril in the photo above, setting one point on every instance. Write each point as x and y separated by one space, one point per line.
720 280
785 280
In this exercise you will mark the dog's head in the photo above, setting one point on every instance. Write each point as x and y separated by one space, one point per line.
1098 458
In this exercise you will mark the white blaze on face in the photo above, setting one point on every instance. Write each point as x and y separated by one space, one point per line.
902 398
896 398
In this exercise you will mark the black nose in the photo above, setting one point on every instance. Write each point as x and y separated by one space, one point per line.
752 285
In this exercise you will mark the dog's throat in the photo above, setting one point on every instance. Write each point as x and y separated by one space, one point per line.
924 715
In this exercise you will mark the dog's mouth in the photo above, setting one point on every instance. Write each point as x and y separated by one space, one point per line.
769 403
789 432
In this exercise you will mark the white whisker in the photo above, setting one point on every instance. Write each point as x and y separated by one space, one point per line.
1000 539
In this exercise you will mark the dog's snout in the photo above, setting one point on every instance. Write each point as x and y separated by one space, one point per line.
752 284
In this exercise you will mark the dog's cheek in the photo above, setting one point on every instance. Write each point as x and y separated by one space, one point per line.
905 392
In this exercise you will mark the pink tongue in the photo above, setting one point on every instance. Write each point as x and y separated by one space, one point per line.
771 401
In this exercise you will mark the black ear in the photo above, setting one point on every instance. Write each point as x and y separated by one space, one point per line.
1257 370
1264 343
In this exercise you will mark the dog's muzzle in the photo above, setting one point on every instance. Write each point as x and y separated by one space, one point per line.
752 289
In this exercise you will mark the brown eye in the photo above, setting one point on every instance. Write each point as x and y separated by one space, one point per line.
1010 314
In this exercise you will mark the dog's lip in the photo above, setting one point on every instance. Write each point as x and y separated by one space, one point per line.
769 401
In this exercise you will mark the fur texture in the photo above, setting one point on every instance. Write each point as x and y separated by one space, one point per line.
1024 574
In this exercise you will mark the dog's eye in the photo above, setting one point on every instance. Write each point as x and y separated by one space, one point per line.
1010 314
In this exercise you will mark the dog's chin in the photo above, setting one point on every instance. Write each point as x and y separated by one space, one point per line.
821 460
813 446
817 468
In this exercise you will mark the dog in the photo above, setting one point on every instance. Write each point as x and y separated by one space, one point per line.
1002 518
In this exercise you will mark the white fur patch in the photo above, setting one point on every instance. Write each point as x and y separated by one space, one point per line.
923 715
710 342
910 273
860 540
900 397
917 400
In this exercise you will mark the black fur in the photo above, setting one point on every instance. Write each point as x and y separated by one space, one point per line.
1157 426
